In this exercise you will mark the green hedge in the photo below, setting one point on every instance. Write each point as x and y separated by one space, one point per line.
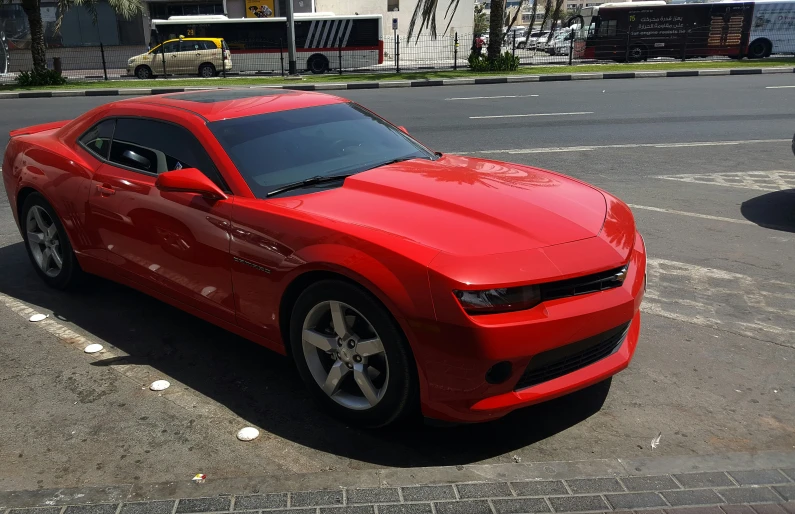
505 62
40 78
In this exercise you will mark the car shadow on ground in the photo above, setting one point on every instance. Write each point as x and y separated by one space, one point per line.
263 388
774 210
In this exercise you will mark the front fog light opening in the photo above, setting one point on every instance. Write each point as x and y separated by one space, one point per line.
499 373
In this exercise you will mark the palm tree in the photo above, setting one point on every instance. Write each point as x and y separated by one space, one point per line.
32 9
425 13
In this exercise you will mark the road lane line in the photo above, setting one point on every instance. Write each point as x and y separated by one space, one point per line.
587 148
691 214
773 180
489 97
778 87
279 450
529 115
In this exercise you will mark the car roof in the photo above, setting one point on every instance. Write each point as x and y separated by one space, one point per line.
195 39
222 104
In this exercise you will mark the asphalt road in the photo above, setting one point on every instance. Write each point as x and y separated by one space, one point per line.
705 163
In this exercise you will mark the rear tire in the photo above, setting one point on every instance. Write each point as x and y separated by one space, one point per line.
207 70
143 72
373 350
636 53
317 64
759 49
47 244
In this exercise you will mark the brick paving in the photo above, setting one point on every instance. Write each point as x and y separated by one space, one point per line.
770 491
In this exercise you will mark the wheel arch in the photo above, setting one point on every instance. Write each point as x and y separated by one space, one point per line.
207 63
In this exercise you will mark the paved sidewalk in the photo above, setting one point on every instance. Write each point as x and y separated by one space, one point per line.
726 484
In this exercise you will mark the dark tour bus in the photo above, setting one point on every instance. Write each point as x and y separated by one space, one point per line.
636 31
322 40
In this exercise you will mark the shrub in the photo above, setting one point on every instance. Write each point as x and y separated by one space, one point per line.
40 78
505 62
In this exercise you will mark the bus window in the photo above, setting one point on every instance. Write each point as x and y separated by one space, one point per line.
608 28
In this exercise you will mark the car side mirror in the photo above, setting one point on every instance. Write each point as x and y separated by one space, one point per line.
189 180
403 129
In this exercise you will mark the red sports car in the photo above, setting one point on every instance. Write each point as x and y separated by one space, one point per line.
397 278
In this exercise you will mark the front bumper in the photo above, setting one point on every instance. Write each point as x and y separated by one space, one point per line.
453 368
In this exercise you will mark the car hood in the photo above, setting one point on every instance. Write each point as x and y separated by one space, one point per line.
464 206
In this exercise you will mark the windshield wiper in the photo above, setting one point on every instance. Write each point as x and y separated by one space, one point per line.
311 181
394 161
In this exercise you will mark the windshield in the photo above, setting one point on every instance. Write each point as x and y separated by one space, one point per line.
272 150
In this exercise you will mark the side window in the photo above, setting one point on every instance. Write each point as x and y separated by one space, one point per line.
156 147
97 139
208 45
171 47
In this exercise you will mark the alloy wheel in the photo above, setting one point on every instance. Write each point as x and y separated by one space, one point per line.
345 355
44 241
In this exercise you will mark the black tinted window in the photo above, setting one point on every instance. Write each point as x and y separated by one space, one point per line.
170 47
157 147
97 139
271 150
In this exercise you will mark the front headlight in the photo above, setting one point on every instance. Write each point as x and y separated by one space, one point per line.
505 299
131 61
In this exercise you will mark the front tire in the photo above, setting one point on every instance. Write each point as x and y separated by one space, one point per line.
143 72
318 64
351 354
636 53
47 244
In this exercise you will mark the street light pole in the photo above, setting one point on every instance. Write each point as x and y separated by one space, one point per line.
292 69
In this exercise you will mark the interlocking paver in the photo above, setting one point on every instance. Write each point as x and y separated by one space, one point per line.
520 505
539 488
463 507
152 507
406 508
261 501
768 508
595 485
578 503
749 495
215 504
762 477
786 491
374 495
100 508
315 498
737 509
631 501
692 497
358 509
650 483
496 490
428 493
709 479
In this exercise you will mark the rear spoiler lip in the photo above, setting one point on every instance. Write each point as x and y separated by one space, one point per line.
33 129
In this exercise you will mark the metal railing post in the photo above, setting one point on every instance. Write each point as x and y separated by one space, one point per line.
626 52
513 43
684 46
397 53
163 55
455 53
339 46
281 55
104 65
571 47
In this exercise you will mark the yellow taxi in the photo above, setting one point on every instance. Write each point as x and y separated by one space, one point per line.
186 55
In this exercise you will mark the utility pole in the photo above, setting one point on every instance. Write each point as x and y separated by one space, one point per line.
291 66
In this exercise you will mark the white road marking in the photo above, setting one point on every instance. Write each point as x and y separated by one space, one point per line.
489 97
775 180
628 145
691 214
281 451
719 299
529 115
778 87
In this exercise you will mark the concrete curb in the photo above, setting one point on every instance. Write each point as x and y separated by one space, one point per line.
332 86
729 472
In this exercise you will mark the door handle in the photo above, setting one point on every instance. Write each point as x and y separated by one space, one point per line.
105 190
198 55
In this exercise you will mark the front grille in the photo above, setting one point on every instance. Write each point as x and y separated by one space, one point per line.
565 359
582 285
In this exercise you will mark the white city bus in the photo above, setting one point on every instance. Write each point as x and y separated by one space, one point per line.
322 40
772 28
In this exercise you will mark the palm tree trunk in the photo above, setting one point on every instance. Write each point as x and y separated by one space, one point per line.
495 28
32 10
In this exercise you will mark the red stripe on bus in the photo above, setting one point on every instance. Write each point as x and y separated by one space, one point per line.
380 51
305 50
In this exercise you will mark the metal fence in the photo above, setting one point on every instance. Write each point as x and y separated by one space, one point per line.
401 54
